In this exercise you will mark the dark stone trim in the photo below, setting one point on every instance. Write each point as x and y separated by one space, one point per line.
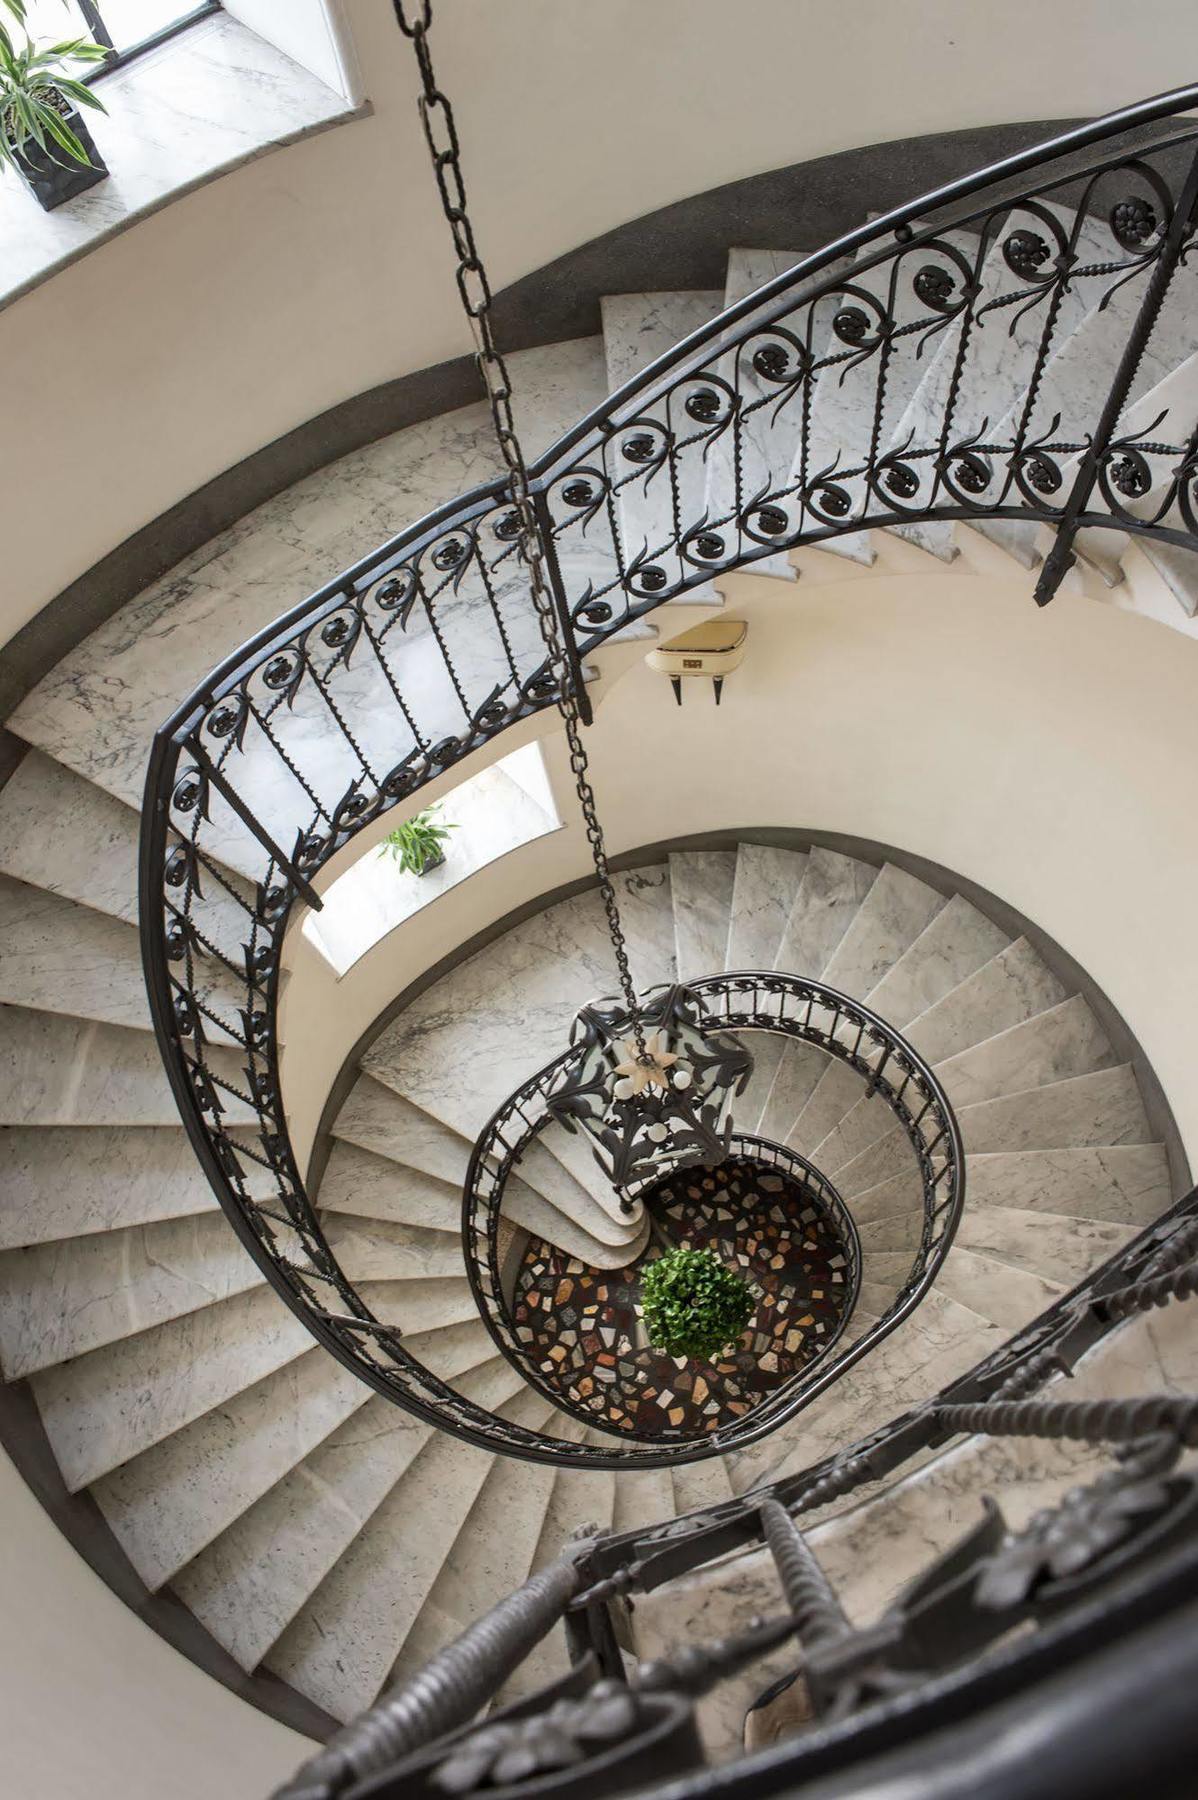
1123 1039
85 1528
684 245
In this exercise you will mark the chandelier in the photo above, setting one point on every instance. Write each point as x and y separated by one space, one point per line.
649 1079
665 1110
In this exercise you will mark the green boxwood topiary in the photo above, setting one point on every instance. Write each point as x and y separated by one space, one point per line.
694 1305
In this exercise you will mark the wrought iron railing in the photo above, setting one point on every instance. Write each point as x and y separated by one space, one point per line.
427 649
804 1012
997 1616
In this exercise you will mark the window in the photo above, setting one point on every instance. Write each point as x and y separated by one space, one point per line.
127 27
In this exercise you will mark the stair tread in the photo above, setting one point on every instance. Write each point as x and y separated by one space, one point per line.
832 889
372 1595
767 881
247 1583
57 956
701 885
65 1298
59 1183
58 1070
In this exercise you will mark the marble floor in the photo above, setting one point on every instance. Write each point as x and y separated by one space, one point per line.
580 1326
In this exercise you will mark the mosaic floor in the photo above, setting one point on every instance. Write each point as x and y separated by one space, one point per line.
579 1325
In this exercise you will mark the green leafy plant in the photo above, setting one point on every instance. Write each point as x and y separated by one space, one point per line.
694 1305
37 94
416 844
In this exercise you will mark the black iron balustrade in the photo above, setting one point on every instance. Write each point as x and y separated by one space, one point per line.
428 648
1108 1559
806 1012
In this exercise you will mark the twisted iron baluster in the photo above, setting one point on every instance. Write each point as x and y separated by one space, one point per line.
1087 1421
818 1615
475 291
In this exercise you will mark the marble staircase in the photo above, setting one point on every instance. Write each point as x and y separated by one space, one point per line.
314 1530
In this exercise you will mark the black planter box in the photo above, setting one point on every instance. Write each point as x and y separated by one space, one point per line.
51 176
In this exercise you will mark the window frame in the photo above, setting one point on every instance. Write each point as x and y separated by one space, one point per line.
93 19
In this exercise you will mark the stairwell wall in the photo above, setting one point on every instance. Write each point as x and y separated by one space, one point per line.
1045 756
295 282
93 1704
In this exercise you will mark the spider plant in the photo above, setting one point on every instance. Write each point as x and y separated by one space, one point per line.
37 95
416 844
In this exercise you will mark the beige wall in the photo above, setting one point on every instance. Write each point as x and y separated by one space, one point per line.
308 276
94 1705
1047 755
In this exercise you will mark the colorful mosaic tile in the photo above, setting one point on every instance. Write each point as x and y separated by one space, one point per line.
581 1330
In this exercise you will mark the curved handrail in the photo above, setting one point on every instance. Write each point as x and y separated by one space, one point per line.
426 649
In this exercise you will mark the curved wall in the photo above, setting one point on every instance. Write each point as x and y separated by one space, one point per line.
304 278
1045 756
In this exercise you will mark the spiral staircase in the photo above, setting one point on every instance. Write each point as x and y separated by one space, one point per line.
312 1528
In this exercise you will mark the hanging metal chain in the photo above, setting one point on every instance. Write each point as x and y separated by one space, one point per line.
440 131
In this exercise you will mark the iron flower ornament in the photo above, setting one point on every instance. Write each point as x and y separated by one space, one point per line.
666 1109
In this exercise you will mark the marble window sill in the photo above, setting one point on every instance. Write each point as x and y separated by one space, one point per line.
211 99
494 812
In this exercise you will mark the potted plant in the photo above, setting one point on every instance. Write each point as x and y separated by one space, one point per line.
416 844
693 1304
42 134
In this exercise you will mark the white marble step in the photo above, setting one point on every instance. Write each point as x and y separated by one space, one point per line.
1178 569
1041 1243
1006 1295
579 1499
767 882
940 1340
57 956
1051 1046
492 1557
844 404
1012 986
767 1049
897 908
799 1070
1100 1109
250 1582
891 919
1119 1182
56 1070
63 1299
643 1497
168 1505
59 1184
374 1187
767 434
341 1646
832 889
700 1484
999 356
97 711
956 942
1065 1041
60 832
467 1042
383 1250
63 833
1077 380
103 1408
637 329
379 1119
701 886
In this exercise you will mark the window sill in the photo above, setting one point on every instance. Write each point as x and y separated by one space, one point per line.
496 811
209 100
